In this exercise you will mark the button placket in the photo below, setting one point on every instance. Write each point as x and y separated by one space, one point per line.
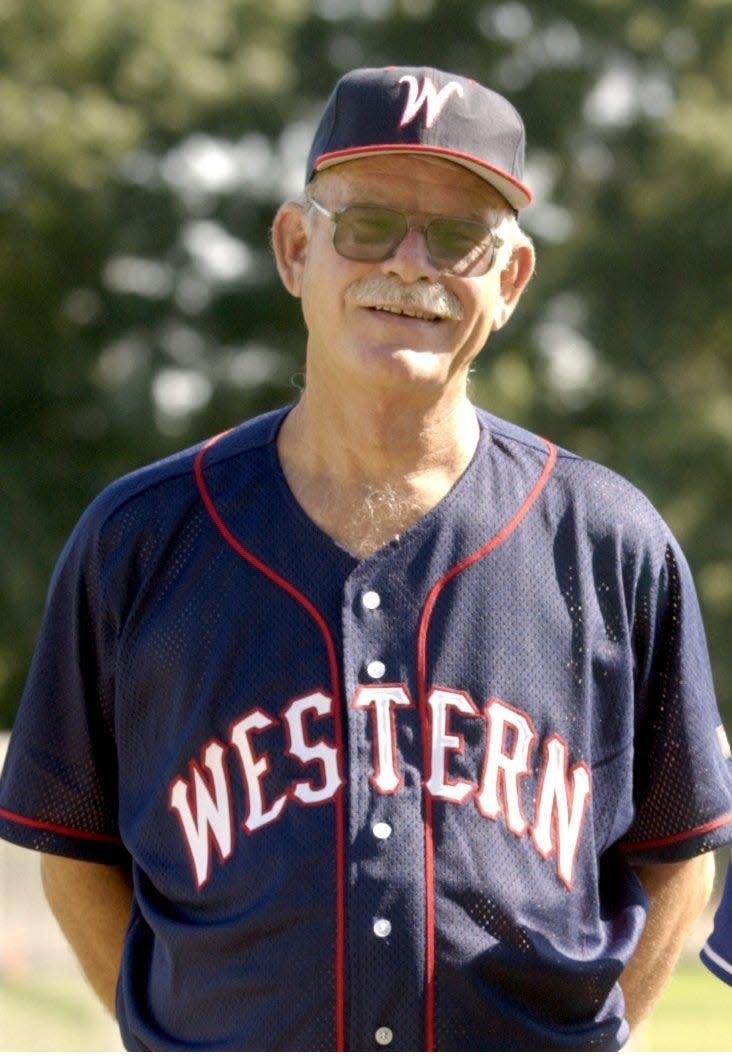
375 918
376 670
371 601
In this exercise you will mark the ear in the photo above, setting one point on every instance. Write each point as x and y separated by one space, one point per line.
289 242
514 278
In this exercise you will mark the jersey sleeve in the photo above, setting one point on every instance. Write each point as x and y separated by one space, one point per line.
682 774
58 791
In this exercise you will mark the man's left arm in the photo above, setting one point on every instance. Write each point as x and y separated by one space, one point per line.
678 893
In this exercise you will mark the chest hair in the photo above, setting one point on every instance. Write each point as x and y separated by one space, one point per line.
363 520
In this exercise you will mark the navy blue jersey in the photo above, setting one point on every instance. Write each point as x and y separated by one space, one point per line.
717 951
390 802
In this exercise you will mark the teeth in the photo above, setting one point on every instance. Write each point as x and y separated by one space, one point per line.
419 314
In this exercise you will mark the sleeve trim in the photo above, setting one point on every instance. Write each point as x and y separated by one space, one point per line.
716 964
59 829
702 829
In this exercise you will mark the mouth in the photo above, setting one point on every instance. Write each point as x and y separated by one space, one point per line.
412 312
423 302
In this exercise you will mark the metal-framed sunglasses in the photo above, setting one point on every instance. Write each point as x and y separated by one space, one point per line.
362 232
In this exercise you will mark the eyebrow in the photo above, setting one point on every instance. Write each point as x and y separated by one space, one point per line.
359 194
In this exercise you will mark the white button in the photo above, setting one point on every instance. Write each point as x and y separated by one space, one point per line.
376 668
370 600
382 928
384 1036
381 830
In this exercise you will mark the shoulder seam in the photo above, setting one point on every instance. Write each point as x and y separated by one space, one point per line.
190 456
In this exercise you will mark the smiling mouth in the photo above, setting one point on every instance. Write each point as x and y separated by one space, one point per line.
407 311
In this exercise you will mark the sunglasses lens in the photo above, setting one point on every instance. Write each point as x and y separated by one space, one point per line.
460 246
373 233
368 233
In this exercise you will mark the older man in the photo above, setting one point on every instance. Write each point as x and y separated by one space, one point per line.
377 722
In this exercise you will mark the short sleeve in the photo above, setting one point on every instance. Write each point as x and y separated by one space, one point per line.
682 775
58 791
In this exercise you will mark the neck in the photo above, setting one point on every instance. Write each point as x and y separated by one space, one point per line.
376 440
367 469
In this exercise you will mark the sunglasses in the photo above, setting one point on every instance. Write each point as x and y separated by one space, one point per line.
373 233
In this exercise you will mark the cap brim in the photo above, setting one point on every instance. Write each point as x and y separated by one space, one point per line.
514 192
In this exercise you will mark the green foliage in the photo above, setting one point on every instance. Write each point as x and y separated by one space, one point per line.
144 148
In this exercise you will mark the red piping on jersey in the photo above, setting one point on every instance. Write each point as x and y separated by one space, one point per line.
59 829
300 598
667 841
484 550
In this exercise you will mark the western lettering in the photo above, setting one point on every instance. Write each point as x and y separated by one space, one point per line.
528 785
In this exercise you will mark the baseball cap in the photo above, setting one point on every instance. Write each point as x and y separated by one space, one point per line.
423 111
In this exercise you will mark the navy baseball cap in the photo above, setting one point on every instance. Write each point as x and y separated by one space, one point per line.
423 111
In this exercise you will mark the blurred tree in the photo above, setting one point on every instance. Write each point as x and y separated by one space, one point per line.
144 148
139 167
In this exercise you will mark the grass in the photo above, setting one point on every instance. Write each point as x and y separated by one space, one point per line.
693 1015
60 1014
56 1013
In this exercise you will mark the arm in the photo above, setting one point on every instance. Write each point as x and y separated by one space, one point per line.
678 893
91 903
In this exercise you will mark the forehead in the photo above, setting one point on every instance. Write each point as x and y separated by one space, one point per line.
434 184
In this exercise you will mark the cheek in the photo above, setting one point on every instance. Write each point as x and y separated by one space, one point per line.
481 306
326 281
322 301
317 284
478 323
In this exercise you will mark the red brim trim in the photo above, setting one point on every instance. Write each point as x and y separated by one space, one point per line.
516 193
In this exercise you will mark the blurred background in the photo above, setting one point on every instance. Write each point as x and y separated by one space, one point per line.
144 148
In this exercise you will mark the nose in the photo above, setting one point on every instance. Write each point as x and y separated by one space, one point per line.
411 261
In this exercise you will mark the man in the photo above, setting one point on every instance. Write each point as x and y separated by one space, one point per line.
377 722
717 951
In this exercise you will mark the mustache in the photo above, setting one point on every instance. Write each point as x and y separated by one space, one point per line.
389 290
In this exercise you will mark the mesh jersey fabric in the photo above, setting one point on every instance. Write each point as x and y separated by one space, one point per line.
199 706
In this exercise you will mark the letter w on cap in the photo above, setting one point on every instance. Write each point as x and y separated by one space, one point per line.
428 96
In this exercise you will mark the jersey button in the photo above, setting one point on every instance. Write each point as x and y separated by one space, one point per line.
381 830
371 600
376 668
382 928
384 1036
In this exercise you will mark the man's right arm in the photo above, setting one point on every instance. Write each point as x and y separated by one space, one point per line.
91 903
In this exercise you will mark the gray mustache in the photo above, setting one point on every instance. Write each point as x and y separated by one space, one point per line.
388 290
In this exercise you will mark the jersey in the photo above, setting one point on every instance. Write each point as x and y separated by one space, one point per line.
717 951
384 803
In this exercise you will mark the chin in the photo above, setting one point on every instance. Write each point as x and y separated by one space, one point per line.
426 366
